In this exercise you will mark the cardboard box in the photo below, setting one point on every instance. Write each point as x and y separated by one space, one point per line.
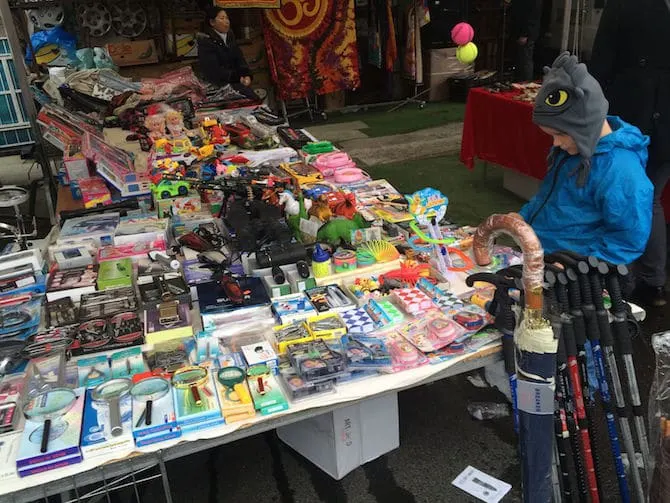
139 52
186 45
338 442
439 65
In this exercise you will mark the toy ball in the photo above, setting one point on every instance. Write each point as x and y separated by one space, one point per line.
467 53
462 34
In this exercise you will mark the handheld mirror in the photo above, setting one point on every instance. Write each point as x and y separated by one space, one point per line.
191 378
47 406
112 392
149 390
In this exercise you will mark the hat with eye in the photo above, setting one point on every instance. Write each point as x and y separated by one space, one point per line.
571 101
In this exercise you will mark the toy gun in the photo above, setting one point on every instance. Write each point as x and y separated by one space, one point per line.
505 321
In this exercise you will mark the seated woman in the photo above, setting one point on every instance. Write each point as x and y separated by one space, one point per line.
221 60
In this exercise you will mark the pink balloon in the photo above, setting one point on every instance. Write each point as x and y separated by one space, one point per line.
462 33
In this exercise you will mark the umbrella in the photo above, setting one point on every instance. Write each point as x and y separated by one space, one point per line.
536 357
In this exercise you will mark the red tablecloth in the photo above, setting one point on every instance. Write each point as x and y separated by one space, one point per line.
499 129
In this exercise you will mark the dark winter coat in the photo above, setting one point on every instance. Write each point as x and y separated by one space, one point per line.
631 60
221 63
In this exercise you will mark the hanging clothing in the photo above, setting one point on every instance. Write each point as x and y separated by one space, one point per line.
313 48
391 44
374 37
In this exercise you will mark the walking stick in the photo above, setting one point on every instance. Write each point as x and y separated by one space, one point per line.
623 339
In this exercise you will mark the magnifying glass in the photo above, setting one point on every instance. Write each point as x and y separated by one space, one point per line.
48 406
112 392
191 378
232 378
149 390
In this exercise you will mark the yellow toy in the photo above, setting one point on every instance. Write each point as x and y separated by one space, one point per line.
301 173
320 209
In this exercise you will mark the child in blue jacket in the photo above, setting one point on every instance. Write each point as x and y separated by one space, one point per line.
596 198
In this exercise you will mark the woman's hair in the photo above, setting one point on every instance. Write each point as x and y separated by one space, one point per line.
212 12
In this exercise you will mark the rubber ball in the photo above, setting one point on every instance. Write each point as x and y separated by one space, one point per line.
467 53
462 33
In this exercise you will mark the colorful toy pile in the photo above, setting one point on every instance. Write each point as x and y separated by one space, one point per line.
226 280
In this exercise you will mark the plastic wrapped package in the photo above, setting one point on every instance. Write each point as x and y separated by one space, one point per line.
533 263
176 84
168 356
659 420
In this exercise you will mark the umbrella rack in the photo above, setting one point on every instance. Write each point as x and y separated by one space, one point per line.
576 372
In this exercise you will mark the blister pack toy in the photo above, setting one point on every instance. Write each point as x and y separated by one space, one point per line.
432 331
359 321
297 388
389 314
473 318
329 298
366 353
403 354
412 300
316 361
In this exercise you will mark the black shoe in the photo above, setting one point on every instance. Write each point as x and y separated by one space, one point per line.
650 296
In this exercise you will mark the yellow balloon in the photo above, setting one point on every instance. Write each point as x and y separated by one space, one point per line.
467 53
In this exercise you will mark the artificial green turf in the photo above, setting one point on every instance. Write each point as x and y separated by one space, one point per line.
473 195
405 120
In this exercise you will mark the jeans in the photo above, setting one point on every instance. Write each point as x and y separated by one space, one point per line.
525 66
650 267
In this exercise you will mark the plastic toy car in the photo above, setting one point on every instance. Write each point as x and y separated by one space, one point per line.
166 189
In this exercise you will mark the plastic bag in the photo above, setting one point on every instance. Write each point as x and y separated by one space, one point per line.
659 420
54 47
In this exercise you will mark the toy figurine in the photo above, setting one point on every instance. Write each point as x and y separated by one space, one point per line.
320 209
291 206
175 123
156 126
218 135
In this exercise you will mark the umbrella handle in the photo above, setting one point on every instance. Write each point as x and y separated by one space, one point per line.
525 237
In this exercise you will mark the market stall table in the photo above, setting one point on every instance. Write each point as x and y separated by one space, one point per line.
102 469
499 129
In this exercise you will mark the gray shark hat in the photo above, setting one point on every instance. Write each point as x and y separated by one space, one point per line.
572 101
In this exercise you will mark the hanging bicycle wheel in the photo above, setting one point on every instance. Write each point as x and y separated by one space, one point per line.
11 195
128 20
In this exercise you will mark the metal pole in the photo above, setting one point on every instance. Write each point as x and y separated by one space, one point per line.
26 94
565 35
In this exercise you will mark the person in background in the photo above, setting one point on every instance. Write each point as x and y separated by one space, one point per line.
631 60
596 198
220 59
526 20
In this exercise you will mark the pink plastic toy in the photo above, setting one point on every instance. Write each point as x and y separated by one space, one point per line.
462 33
329 164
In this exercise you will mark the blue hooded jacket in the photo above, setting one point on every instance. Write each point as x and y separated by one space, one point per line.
610 216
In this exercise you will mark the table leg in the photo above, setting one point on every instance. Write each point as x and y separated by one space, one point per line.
164 478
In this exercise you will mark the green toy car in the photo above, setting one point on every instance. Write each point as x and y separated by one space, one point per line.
166 189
